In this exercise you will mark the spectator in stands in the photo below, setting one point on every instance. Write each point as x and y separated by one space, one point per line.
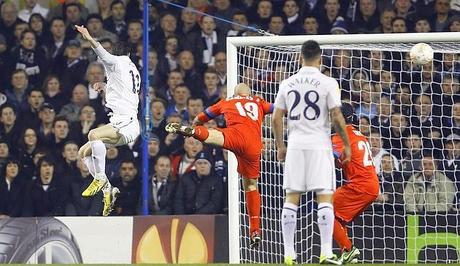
134 35
35 101
60 135
403 100
46 115
78 205
391 186
116 22
398 25
382 119
175 78
367 19
440 19
205 43
367 107
161 188
153 151
448 95
168 27
71 67
200 191
8 20
188 22
45 196
236 30
60 9
399 128
113 162
183 162
430 190
158 118
56 45
340 26
9 127
451 163
28 146
30 58
95 28
327 19
223 9
12 188
194 107
191 76
422 24
4 152
386 19
37 25
80 98
426 121
451 125
19 28
86 121
450 64
73 16
378 151
66 168
16 95
454 24
128 183
310 25
404 9
365 126
169 61
263 12
211 92
276 25
221 67
293 20
94 73
412 162
179 104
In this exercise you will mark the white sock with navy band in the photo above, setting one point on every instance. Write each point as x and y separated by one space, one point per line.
326 227
289 226
98 153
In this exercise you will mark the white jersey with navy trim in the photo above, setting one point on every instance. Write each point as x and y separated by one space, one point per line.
307 96
123 83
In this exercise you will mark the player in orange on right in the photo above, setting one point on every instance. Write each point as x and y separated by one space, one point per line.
362 188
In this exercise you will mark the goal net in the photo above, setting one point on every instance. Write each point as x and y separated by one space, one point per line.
409 114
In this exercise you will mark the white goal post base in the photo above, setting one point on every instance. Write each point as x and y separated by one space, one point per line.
256 60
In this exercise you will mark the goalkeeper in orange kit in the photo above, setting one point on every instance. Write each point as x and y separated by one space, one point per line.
362 188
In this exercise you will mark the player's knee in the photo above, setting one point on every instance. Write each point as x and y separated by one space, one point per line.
92 135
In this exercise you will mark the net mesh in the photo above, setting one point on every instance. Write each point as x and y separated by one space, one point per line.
407 112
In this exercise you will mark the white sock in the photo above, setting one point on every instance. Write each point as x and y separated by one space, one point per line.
289 226
88 161
98 153
326 227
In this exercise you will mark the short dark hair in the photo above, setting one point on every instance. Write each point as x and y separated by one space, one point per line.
7 105
310 50
60 118
32 90
48 159
117 2
120 48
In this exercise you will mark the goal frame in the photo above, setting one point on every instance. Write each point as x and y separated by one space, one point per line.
232 79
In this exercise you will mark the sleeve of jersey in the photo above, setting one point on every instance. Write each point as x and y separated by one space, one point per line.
280 101
210 113
106 57
337 146
333 96
268 107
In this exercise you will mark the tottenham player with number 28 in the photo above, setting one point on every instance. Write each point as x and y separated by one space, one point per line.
243 114
122 98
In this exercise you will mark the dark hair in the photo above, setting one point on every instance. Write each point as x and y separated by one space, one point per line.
60 118
46 159
32 90
38 15
310 50
23 34
191 98
69 142
120 48
56 19
7 105
116 2
398 18
72 4
159 100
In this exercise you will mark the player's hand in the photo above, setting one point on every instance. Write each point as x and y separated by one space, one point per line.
99 86
281 153
346 155
170 138
84 32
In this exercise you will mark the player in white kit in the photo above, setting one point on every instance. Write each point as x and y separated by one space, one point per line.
308 98
122 98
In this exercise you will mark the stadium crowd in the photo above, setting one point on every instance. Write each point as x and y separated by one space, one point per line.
47 104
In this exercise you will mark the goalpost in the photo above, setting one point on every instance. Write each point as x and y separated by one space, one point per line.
373 68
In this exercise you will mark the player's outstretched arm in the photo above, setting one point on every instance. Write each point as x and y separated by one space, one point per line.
340 127
277 127
105 56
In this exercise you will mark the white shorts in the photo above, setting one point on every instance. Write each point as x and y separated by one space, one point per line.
309 170
127 127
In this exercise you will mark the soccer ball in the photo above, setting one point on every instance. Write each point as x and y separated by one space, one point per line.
421 54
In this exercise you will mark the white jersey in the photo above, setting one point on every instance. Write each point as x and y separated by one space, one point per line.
307 96
123 83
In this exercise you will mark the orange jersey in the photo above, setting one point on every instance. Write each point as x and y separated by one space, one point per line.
360 171
247 112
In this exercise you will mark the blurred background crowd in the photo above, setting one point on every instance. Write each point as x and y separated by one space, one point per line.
47 104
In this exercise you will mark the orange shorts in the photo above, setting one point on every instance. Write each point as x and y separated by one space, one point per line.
247 149
349 203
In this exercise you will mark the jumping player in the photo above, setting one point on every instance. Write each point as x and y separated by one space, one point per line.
362 188
311 100
122 98
244 115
